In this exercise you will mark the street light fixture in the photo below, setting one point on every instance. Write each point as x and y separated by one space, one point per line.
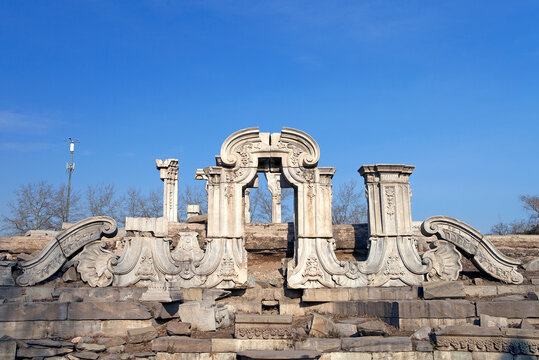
70 167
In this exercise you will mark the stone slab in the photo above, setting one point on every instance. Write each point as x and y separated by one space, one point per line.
235 345
195 356
31 352
374 343
516 309
108 311
178 344
469 331
276 354
263 319
400 355
178 328
443 290
138 335
322 345
410 309
325 294
69 329
33 311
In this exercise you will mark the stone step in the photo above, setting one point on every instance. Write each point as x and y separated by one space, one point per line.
280 355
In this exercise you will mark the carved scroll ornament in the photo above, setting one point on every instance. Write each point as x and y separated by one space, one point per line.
473 244
64 246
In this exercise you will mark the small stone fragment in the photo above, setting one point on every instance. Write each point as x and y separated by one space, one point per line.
322 326
139 335
373 328
422 333
178 328
70 275
492 321
346 330
86 355
90 347
532 265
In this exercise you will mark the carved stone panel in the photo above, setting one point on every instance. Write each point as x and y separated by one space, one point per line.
66 244
470 241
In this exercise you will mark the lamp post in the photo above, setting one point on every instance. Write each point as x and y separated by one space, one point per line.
70 167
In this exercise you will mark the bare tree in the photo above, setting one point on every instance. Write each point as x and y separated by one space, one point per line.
348 207
153 206
138 205
76 212
32 209
531 203
261 205
191 195
102 200
500 228
530 226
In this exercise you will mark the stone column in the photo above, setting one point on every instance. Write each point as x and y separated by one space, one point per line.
274 187
388 195
168 172
393 258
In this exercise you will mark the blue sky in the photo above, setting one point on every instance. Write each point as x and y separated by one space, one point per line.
450 87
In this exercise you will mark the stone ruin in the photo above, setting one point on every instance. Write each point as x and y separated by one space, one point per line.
163 289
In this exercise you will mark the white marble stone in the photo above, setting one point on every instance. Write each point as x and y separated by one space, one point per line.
168 172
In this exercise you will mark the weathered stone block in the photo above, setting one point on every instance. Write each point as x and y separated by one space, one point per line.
400 355
392 293
322 326
178 328
443 290
195 356
31 352
108 311
469 330
135 336
50 343
425 346
492 321
480 291
377 344
325 294
452 355
235 345
81 346
322 345
422 333
372 328
248 326
517 309
346 330
70 275
200 317
178 344
33 311
69 329
480 355
8 349
276 354
86 355
346 356
410 309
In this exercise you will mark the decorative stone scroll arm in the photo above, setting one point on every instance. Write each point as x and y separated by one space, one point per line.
472 243
66 244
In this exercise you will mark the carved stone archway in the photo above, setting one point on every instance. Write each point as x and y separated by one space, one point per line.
295 155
